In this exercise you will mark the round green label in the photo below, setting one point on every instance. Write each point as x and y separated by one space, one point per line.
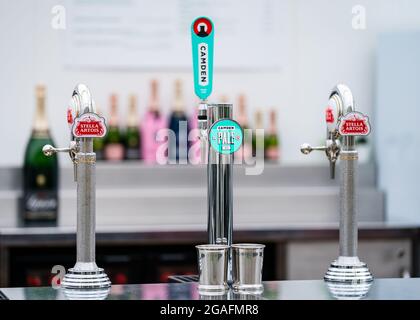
226 136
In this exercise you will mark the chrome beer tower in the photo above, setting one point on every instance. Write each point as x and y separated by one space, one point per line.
214 152
219 183
219 178
347 268
85 274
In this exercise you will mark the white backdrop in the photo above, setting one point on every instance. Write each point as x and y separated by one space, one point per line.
144 34
320 49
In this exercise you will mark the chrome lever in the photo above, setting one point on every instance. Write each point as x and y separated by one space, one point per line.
49 150
332 150
307 149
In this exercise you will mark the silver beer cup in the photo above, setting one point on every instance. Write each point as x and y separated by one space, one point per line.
247 263
212 268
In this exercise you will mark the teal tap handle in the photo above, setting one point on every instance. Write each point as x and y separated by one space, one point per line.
202 37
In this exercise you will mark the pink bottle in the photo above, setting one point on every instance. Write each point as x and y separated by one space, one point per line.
245 151
153 121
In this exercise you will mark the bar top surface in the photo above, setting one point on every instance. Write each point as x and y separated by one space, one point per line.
379 289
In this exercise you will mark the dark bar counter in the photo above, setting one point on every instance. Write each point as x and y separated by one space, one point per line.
380 289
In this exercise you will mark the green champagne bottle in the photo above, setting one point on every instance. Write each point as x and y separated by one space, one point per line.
98 143
114 148
272 140
40 173
245 152
258 141
132 134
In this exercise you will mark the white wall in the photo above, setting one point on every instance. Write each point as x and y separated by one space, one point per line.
321 47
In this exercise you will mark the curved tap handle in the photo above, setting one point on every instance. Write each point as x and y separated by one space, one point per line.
81 102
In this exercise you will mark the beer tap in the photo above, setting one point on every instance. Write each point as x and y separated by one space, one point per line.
332 146
344 123
220 137
84 125
202 36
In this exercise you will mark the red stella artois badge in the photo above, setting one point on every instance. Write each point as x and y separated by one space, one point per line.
89 125
69 116
329 115
354 124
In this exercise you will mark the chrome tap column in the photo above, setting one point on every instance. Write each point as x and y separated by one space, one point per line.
85 125
219 183
219 135
343 125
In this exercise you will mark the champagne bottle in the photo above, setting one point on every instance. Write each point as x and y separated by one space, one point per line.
99 143
178 124
40 173
153 121
194 152
271 139
132 135
245 152
224 98
258 139
114 149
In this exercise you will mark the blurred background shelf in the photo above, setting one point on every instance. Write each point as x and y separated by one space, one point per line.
170 196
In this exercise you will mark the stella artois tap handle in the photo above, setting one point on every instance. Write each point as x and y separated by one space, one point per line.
344 123
85 125
332 147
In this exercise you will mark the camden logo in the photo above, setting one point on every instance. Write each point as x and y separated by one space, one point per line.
202 27
89 125
354 124
203 64
226 136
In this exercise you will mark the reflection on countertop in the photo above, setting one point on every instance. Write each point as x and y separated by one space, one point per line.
381 289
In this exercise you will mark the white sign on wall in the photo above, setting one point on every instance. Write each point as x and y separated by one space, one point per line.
156 34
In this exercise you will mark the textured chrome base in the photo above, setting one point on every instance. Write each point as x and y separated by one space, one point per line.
348 270
212 290
78 279
348 291
86 294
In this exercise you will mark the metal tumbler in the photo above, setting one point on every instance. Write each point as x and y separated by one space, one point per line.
212 268
247 262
